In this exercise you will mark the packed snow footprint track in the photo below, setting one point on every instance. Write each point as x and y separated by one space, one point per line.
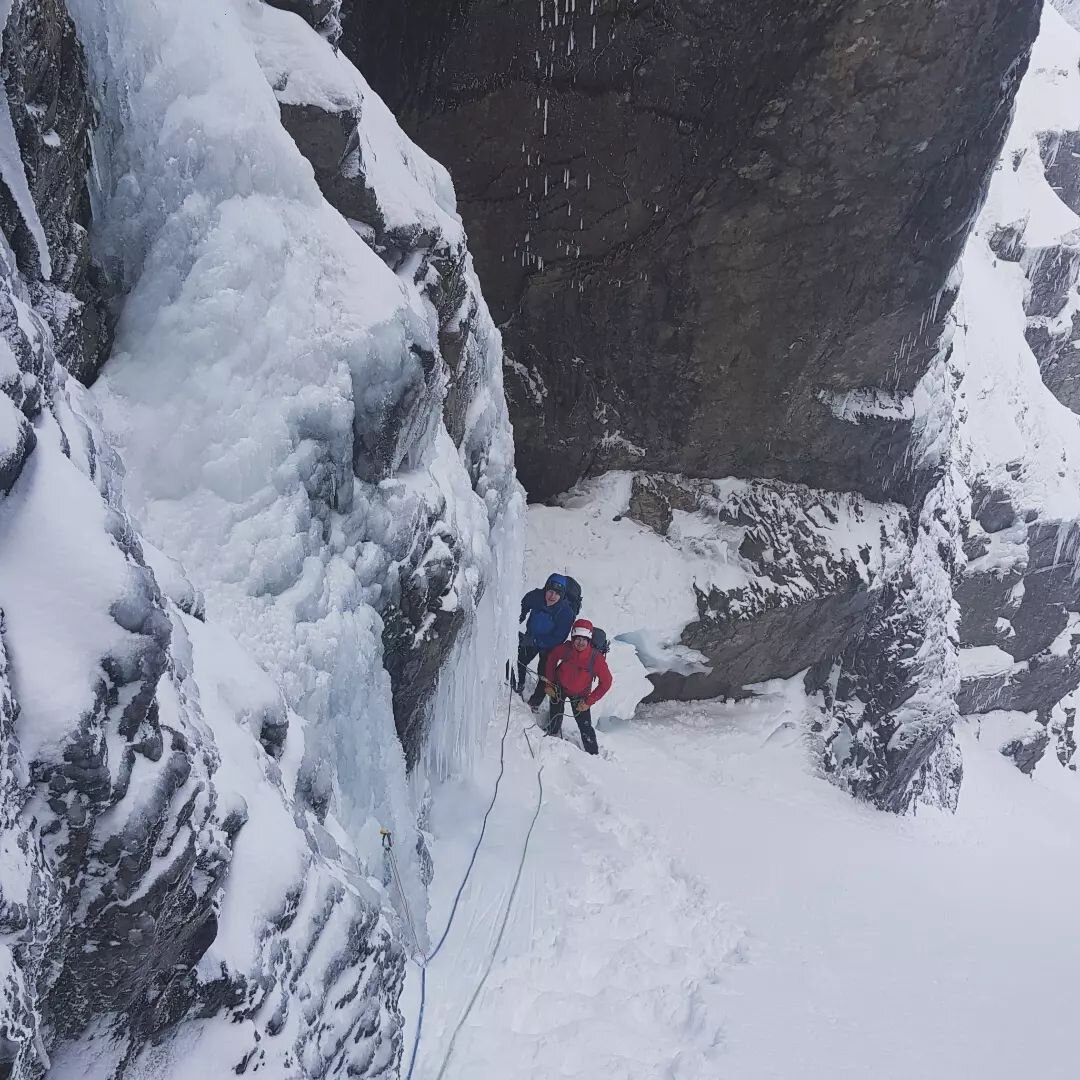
595 982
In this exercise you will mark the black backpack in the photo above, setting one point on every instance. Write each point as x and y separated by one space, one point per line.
600 644
573 595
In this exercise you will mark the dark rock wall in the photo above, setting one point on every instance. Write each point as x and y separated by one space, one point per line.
45 78
681 227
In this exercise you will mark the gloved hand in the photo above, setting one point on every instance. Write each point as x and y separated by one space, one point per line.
551 691
581 707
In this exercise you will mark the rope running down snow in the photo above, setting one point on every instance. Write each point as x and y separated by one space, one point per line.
420 959
506 913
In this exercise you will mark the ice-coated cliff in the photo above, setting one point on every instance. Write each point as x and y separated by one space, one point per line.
234 573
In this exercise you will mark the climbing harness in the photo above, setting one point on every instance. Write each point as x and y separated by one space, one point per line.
419 958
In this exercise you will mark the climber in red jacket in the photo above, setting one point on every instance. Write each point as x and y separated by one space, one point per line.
571 670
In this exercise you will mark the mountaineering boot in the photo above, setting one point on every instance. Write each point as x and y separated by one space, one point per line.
584 723
536 699
554 723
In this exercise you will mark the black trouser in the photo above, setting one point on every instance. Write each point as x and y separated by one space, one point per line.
526 654
583 718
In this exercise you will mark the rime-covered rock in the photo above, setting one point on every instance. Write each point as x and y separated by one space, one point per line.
178 892
810 563
1019 443
139 745
346 133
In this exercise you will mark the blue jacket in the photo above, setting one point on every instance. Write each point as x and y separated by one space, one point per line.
547 626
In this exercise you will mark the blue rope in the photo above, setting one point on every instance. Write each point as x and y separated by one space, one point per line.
424 961
480 838
505 918
419 1018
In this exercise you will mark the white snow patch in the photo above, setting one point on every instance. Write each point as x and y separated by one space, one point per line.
58 625
869 402
983 660
1021 439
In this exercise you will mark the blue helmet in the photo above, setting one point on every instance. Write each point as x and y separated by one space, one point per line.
557 583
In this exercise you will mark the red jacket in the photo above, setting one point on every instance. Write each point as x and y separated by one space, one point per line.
574 672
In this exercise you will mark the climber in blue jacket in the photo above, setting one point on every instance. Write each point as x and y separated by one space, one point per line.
548 616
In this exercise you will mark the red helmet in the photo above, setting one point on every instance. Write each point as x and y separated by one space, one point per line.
582 628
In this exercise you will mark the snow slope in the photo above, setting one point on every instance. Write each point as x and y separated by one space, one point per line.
700 905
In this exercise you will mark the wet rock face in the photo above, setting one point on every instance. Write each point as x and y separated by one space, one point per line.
679 222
